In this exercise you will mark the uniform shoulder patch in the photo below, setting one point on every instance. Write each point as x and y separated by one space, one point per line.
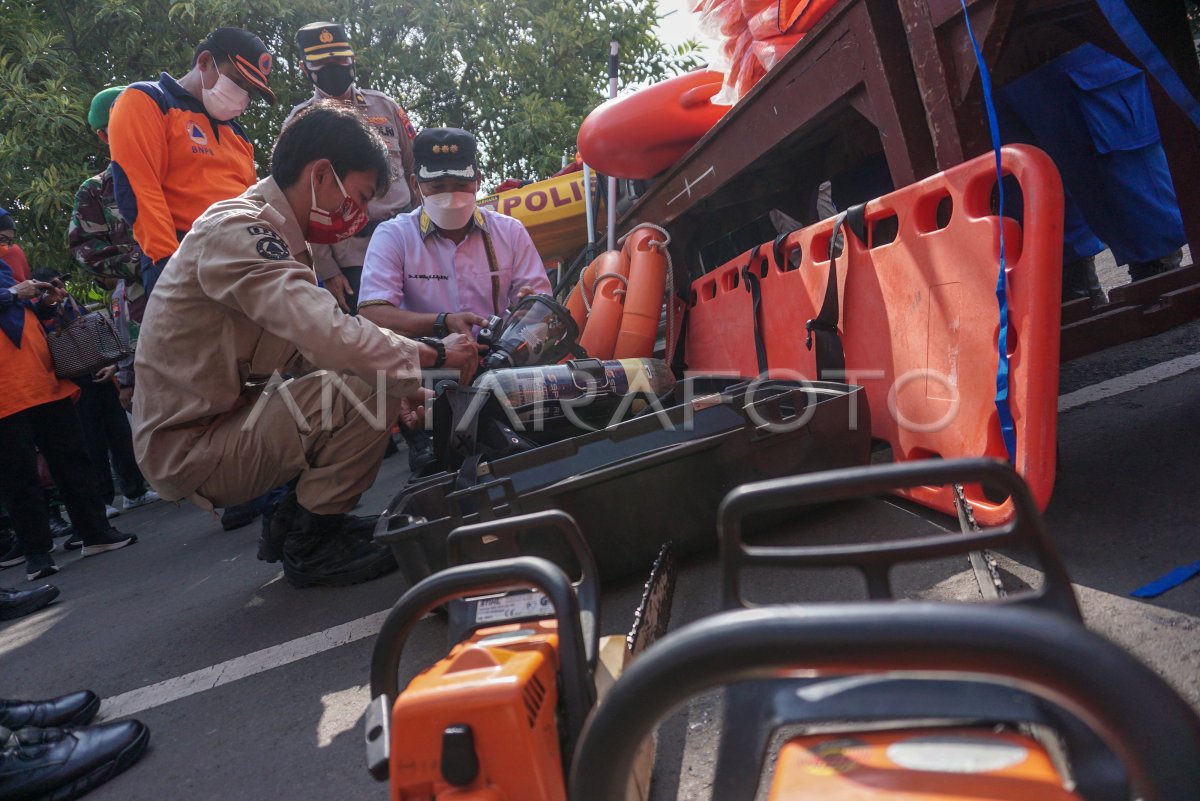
270 245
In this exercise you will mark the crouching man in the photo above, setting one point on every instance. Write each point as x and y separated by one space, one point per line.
250 376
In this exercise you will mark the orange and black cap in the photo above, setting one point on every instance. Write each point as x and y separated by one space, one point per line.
247 53
320 41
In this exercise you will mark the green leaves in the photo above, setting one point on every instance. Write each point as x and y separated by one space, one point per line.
520 74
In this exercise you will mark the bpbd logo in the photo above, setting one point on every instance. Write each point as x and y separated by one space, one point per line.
198 137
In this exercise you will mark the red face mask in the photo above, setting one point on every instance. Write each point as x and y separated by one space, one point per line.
328 227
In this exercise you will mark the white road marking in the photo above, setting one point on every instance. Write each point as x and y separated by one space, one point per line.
164 692
1128 382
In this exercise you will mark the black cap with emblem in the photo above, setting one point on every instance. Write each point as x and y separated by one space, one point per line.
319 42
445 152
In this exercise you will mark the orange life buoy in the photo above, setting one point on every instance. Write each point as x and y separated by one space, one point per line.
601 287
644 301
640 134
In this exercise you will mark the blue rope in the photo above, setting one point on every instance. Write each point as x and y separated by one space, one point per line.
1131 33
1008 428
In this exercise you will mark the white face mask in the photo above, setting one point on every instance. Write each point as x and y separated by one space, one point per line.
225 100
450 210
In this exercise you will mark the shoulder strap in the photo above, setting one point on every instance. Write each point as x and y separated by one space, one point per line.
493 268
831 359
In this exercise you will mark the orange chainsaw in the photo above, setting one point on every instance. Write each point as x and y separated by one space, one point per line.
498 717
915 701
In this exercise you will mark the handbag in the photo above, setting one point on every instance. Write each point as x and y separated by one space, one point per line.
82 345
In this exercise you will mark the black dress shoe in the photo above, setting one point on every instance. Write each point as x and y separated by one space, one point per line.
76 709
61 764
18 603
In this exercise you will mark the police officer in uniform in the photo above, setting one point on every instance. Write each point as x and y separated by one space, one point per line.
250 376
327 59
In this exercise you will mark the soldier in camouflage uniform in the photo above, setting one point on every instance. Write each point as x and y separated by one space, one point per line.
102 242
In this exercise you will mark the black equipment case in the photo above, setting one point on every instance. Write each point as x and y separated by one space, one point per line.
642 482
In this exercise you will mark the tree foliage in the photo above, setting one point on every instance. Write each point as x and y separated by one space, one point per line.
521 74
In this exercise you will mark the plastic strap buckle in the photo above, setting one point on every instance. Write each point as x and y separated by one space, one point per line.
817 325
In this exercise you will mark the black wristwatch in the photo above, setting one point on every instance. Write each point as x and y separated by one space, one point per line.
437 345
439 325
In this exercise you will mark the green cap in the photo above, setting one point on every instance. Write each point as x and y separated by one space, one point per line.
101 104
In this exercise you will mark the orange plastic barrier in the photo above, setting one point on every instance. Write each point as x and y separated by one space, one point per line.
919 319
604 281
644 302
639 135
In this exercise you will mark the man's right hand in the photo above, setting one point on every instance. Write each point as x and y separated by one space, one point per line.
463 322
462 353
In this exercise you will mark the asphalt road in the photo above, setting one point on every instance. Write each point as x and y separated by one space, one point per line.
256 690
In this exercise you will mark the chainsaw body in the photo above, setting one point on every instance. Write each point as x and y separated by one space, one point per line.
497 718
942 764
1012 700
482 722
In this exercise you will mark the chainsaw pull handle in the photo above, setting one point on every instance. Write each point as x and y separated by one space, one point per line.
504 533
578 688
1137 714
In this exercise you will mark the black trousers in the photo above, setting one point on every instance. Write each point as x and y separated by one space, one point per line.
52 428
106 431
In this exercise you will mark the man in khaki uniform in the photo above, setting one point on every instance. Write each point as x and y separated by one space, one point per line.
327 60
217 420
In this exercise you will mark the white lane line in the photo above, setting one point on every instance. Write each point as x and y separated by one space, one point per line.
164 692
1128 382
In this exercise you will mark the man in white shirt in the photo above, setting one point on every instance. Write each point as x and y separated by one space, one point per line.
448 265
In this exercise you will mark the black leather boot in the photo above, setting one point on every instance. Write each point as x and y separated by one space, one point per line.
276 523
62 764
1139 270
331 551
76 709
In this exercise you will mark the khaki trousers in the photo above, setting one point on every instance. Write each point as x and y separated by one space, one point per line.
328 429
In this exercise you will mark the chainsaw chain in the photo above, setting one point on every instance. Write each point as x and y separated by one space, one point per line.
987 571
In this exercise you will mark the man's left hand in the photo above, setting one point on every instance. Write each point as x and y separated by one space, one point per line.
412 408
463 322
524 292
125 394
105 374
340 288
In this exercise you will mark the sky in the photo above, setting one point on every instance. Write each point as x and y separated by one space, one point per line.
677 23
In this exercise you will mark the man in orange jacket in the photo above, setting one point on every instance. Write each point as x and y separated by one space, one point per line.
177 147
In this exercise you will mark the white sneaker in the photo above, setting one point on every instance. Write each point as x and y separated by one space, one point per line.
111 511
148 497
